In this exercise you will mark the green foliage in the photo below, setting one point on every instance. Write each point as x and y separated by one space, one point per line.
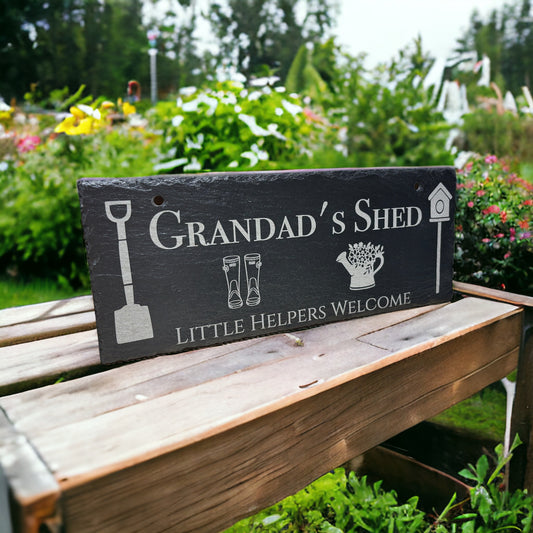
39 207
231 127
343 503
491 507
506 135
337 503
388 116
15 291
493 226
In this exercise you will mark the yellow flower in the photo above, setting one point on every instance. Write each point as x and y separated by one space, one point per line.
82 121
77 112
127 108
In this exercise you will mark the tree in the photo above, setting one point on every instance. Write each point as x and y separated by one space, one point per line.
257 37
506 37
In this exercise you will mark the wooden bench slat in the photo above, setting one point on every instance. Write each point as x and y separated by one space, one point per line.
50 327
232 473
156 377
30 365
42 311
199 407
439 325
196 440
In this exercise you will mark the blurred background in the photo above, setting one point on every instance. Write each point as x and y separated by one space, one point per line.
134 88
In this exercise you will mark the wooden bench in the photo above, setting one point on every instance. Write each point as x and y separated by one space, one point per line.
196 441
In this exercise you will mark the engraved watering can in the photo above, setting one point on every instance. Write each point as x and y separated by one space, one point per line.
360 263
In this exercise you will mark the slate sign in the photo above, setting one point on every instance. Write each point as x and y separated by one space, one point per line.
178 262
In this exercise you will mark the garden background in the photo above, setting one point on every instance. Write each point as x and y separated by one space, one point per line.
78 99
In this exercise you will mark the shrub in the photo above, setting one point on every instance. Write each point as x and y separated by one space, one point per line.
486 131
39 207
231 127
493 226
343 503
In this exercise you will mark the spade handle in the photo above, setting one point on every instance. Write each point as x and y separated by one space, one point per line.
119 221
123 253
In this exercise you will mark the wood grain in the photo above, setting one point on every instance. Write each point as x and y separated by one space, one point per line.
48 327
42 311
35 492
492 294
230 474
195 441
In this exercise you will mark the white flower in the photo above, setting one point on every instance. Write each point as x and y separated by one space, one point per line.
252 124
3 166
212 104
261 154
177 120
187 91
252 157
261 82
293 109
193 165
254 95
278 111
195 145
233 164
88 110
4 106
171 164
273 130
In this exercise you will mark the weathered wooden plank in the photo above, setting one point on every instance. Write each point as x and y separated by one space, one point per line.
145 429
521 469
230 474
492 294
43 329
438 325
34 490
33 364
127 385
42 311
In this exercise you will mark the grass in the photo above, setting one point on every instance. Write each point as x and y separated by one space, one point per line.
15 292
483 413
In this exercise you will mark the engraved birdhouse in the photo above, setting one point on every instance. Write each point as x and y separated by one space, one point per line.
440 204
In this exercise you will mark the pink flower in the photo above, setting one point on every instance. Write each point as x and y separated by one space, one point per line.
500 235
503 217
485 240
469 165
480 192
493 209
507 255
27 144
490 159
528 202
470 204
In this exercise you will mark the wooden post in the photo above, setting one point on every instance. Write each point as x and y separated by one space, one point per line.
521 468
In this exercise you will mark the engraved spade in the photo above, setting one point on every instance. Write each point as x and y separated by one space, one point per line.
132 321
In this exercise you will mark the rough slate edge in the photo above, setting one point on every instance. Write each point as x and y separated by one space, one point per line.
208 177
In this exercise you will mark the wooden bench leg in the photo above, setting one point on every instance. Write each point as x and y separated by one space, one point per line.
521 467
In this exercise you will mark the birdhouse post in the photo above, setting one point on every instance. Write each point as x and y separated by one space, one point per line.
439 201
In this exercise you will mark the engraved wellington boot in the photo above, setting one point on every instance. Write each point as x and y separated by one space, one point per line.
232 268
252 264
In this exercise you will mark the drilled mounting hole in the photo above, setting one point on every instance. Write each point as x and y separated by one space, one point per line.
158 200
418 187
